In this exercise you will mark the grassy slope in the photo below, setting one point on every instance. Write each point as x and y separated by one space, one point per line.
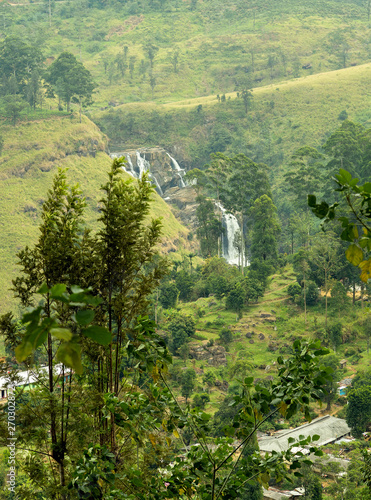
32 153
214 42
283 117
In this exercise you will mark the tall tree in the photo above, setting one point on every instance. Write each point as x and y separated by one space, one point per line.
350 149
247 182
151 50
70 79
120 263
209 227
324 257
18 60
305 175
265 229
53 260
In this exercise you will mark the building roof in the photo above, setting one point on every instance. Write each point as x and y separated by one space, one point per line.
18 379
275 494
329 429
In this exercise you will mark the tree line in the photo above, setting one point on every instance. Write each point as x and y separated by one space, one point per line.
26 81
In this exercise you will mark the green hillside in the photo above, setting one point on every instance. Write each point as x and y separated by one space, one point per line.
32 153
218 46
267 329
281 118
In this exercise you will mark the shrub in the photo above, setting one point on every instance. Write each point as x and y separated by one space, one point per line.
294 289
200 400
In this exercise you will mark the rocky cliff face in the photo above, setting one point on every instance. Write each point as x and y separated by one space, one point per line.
167 175
164 169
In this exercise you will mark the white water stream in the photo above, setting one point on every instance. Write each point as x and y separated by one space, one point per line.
231 226
179 171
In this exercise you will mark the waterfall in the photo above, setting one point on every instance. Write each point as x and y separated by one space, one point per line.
231 226
157 184
130 163
179 171
131 171
143 164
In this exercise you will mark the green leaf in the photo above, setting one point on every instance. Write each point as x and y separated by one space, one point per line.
355 232
23 350
43 289
70 355
84 317
31 316
85 298
316 437
57 290
354 254
344 176
61 333
99 334
31 342
312 201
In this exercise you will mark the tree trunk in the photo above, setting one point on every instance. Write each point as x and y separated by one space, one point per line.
326 299
242 246
305 301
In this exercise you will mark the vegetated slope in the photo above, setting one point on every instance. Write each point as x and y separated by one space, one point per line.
32 153
266 331
201 47
280 118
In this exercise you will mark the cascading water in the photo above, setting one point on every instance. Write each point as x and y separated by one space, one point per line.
131 171
231 226
143 166
157 184
179 171
130 163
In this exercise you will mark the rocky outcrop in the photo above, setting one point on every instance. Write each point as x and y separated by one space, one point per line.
167 174
267 317
166 170
214 355
184 205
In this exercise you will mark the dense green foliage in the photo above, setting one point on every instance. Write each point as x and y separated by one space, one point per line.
256 137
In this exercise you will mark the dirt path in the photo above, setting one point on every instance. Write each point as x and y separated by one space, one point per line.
279 299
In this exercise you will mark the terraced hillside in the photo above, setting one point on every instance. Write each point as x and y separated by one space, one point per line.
266 330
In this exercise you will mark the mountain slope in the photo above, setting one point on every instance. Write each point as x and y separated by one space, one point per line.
281 117
32 153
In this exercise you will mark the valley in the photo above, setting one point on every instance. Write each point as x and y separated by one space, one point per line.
177 296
